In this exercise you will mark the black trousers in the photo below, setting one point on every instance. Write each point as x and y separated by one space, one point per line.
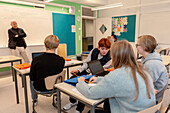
80 106
106 108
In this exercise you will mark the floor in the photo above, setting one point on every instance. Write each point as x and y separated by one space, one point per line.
8 98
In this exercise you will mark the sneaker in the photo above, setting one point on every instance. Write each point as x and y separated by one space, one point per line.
35 102
77 111
69 106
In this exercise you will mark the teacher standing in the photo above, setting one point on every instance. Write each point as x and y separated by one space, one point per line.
16 41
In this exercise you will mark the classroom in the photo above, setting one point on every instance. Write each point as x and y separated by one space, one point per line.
46 45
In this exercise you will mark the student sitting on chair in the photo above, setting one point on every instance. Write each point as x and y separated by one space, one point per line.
112 39
129 87
153 61
101 53
45 65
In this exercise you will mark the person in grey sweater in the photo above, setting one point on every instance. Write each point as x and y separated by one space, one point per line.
153 61
129 87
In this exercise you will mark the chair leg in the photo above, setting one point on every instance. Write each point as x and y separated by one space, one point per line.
33 106
54 100
167 109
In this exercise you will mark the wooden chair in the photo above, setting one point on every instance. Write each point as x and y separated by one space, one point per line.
50 82
152 109
165 51
165 101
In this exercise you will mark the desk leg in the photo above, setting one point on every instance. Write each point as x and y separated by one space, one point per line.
12 71
16 86
25 92
67 73
58 101
92 109
20 61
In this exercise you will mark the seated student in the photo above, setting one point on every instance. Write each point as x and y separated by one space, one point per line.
46 65
112 39
129 87
146 45
101 53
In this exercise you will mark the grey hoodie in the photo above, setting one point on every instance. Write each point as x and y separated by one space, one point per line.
154 64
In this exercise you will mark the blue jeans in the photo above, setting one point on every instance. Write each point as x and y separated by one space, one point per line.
32 90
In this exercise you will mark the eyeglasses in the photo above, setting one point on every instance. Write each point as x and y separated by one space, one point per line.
137 45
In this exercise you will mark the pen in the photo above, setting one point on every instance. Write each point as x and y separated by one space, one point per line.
84 80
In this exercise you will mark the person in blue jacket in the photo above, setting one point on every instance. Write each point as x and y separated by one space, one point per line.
129 87
146 45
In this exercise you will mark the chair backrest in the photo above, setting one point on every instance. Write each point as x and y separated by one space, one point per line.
165 51
62 50
152 109
50 81
165 100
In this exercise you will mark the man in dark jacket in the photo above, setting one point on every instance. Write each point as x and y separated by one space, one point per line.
16 41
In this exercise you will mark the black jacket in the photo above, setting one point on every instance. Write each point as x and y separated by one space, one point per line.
16 41
103 60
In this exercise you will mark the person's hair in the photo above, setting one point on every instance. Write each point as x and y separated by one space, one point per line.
104 42
51 42
148 42
123 55
115 37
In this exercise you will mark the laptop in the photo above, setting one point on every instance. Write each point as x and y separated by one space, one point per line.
96 68
37 54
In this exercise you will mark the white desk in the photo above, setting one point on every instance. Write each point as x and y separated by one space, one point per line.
23 73
26 72
10 59
72 63
67 89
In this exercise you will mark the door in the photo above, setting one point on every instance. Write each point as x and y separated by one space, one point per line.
103 29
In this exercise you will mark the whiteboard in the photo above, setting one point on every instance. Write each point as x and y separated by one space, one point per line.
156 24
36 23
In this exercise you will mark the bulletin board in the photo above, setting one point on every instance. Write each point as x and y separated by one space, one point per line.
124 27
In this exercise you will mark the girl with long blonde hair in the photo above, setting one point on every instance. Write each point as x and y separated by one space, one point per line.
129 87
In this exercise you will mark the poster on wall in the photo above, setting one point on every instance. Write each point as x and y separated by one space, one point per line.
124 27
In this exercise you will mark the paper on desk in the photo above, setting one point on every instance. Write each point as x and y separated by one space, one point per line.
68 62
75 89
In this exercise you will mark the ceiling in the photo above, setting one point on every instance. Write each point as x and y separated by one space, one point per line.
90 2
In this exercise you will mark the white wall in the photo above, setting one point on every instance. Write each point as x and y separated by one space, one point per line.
153 19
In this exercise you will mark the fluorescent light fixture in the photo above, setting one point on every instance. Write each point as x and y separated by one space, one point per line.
48 0
22 2
107 6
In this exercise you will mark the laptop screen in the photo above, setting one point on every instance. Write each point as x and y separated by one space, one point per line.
95 67
37 54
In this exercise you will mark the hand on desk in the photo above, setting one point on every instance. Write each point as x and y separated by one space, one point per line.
93 79
75 71
81 79
156 91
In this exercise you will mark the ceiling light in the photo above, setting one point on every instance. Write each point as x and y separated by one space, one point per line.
107 6
48 0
